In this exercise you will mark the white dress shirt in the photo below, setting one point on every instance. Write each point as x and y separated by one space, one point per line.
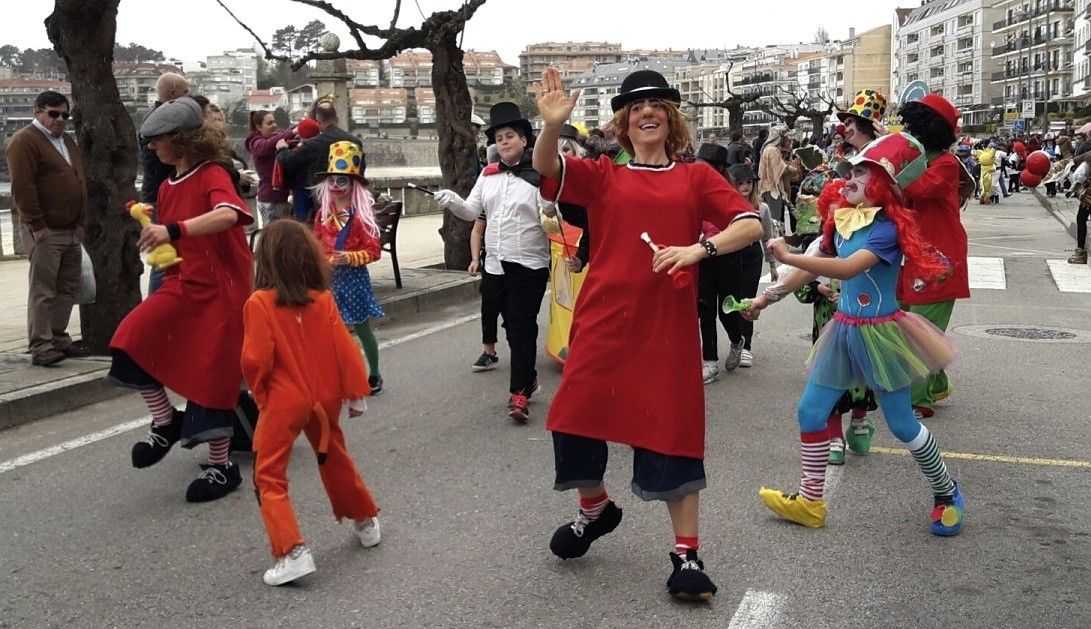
513 229
56 140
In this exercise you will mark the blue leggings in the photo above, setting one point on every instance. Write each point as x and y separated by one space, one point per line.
818 402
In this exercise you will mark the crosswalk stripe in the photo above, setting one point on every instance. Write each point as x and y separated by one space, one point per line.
1070 278
987 273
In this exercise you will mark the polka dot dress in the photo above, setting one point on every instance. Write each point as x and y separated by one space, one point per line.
352 291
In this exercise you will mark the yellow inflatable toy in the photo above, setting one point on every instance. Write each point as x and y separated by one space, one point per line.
162 257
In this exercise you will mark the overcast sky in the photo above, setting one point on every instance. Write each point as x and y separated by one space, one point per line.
193 29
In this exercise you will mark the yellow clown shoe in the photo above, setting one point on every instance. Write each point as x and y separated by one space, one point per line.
796 508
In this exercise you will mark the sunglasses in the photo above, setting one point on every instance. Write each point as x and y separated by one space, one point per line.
54 114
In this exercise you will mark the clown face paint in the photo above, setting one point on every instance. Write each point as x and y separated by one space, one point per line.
856 185
340 185
853 135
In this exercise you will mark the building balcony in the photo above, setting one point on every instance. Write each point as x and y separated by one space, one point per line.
1022 43
1019 17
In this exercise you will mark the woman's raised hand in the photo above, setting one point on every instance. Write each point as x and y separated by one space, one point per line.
553 105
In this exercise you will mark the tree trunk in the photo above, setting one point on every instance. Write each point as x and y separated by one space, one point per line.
734 117
818 121
457 142
82 33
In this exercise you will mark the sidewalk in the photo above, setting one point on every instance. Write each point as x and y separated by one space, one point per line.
1063 209
28 393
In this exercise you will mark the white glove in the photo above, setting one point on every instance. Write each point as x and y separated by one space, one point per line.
447 199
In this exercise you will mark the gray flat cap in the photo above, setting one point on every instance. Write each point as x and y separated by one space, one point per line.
180 114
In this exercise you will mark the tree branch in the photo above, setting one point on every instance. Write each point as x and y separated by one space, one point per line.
268 53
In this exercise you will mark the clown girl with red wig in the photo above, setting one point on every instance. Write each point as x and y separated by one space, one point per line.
871 342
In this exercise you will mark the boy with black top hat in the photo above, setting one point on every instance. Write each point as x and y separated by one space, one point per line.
505 196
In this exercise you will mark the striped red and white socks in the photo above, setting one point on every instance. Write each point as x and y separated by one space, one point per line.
682 544
592 507
924 450
815 448
217 451
159 405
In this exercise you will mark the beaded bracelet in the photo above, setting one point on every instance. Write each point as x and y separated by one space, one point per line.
709 247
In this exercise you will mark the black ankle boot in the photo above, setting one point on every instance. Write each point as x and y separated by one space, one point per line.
572 540
160 439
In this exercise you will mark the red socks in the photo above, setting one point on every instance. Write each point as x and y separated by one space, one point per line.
683 544
592 507
833 426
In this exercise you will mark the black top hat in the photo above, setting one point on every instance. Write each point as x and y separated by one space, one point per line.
644 84
507 114
713 154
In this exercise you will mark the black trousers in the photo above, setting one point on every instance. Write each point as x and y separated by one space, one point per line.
736 274
523 292
1081 225
492 305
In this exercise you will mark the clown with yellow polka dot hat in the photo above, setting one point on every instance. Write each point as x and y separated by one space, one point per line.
863 118
346 228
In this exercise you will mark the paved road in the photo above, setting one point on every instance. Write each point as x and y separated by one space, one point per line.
467 505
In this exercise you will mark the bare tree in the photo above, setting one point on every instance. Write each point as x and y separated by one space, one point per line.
733 103
82 32
439 35
789 105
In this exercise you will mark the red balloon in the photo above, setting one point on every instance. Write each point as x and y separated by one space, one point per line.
1029 179
1038 163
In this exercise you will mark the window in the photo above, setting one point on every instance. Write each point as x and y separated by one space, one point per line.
912 38
912 58
937 51
937 30
966 43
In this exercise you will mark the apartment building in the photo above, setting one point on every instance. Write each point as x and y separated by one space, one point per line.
266 100
242 62
365 72
483 68
17 97
537 57
136 81
376 107
1033 45
412 68
943 43
857 63
770 72
602 83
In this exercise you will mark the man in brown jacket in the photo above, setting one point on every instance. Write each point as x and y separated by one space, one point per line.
48 189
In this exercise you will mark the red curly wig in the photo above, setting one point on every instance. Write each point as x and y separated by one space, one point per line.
882 193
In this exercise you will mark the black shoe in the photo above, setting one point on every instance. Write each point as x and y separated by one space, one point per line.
76 350
485 362
215 482
572 540
689 582
47 358
160 439
376 384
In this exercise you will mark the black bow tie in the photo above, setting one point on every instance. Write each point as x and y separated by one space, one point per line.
524 171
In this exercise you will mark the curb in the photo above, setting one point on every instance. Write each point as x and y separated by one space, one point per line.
36 402
1047 203
59 396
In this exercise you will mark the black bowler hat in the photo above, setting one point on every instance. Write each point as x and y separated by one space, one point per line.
571 133
644 84
713 154
507 114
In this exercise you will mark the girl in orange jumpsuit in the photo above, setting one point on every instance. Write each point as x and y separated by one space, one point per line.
302 367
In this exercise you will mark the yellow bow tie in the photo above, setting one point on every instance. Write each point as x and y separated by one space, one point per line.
849 219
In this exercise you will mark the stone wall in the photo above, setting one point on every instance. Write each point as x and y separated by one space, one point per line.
401 152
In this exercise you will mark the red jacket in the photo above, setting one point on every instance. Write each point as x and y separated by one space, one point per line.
359 241
934 199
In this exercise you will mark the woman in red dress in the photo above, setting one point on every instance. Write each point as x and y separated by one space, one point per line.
631 320
187 336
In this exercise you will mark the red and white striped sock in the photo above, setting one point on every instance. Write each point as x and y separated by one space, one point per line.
159 404
593 507
683 544
217 451
815 448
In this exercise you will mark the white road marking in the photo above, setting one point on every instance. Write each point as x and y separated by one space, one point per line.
987 273
757 609
72 444
1070 278
79 442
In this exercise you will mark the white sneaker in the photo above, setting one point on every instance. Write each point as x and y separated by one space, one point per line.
368 532
296 564
734 356
710 371
746 359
